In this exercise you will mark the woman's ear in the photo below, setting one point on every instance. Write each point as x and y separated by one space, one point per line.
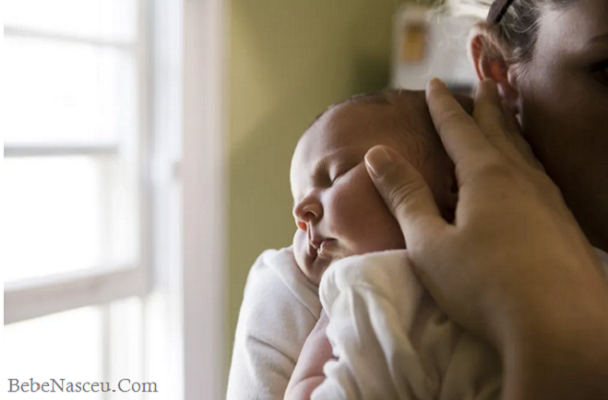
489 56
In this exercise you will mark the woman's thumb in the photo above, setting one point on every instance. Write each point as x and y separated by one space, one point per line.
404 192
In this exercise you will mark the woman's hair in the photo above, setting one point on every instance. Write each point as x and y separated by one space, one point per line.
518 27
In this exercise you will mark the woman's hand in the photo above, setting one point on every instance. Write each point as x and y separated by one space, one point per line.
308 374
514 267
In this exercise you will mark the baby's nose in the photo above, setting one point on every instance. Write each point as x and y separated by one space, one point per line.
306 211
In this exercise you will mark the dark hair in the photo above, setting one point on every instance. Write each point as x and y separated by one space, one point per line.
519 28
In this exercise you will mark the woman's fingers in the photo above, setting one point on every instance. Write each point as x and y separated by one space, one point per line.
489 115
459 132
405 193
500 126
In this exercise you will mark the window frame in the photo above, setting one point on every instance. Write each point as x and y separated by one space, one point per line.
202 170
41 296
190 276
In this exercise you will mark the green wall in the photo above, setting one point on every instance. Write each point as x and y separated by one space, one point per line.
288 61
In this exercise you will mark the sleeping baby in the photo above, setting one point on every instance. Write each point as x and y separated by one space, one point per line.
381 336
387 338
337 209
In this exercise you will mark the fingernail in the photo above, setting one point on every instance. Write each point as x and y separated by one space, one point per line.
379 161
436 82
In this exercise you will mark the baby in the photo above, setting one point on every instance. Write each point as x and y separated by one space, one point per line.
385 337
390 339
337 209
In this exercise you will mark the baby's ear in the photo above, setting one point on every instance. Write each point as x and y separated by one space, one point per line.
490 56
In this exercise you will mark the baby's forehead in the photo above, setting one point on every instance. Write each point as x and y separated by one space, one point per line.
344 134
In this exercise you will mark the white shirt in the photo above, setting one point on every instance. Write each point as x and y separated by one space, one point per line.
279 310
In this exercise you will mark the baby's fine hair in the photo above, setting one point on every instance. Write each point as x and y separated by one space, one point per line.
408 120
386 96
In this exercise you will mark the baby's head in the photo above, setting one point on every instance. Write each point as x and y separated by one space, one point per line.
338 211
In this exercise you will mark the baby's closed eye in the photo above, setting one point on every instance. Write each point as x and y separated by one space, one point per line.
340 170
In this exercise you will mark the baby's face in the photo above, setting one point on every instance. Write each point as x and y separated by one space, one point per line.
338 211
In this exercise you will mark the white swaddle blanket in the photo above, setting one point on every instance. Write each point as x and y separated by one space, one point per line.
280 309
392 341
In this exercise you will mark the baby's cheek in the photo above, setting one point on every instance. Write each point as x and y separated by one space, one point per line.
360 199
346 203
357 211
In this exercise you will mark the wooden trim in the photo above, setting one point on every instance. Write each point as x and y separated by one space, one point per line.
204 200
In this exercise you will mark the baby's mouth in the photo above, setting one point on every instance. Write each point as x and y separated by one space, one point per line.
312 251
321 248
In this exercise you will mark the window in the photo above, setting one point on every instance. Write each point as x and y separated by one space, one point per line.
74 137
77 192
113 194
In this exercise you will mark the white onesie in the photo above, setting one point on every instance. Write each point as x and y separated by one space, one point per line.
371 301
392 341
279 310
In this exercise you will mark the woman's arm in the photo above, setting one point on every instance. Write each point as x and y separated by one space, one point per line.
308 373
514 267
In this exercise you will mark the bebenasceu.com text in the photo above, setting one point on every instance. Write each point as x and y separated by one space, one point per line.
65 386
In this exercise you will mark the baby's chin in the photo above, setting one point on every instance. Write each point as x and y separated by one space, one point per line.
311 265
